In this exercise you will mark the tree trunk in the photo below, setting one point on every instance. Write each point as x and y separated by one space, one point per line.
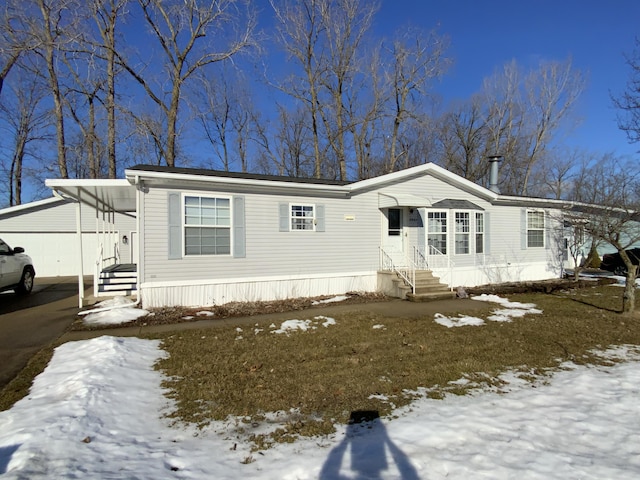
629 296
111 112
50 48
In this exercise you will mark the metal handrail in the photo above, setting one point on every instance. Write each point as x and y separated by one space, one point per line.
407 274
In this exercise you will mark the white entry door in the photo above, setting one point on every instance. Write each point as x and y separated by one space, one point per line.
394 235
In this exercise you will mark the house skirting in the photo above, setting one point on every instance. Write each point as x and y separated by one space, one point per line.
218 292
497 272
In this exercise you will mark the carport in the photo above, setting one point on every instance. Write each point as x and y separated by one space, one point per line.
105 197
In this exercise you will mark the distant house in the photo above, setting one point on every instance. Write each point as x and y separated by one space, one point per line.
207 237
48 231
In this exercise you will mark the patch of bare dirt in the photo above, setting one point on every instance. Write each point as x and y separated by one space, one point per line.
541 286
173 315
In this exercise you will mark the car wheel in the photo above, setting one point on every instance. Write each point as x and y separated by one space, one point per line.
26 282
620 270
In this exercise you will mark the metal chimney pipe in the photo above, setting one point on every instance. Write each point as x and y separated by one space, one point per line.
493 179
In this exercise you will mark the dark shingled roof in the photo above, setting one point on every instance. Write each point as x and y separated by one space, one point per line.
456 204
220 173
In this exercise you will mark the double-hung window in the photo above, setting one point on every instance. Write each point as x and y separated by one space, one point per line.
535 229
462 233
207 225
437 231
302 217
479 232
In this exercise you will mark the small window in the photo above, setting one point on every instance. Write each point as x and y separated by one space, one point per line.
462 233
535 229
395 222
479 232
302 217
207 226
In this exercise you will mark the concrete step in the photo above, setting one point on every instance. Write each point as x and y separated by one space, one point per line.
429 297
440 288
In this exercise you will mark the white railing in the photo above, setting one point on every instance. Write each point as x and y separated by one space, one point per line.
102 262
406 272
434 258
430 258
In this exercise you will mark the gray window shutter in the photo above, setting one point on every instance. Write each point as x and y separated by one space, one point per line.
320 218
487 233
523 229
239 236
175 226
284 217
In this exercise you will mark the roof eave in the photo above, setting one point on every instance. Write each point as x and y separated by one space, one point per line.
254 185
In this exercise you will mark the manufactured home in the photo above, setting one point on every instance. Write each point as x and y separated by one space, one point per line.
206 237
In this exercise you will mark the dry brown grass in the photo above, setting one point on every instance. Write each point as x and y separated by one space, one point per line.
319 376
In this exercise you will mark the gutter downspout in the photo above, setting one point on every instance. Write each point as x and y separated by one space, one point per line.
140 237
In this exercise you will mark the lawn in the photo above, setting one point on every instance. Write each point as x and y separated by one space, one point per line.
276 387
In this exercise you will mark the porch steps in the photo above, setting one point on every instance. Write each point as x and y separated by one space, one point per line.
428 288
118 280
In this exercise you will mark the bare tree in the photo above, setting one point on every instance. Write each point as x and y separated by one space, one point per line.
26 121
53 29
213 103
416 60
552 91
191 34
523 115
14 40
629 101
345 24
557 173
151 133
463 138
612 212
106 15
300 32
293 137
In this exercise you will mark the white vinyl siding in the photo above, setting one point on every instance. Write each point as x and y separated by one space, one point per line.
353 227
270 251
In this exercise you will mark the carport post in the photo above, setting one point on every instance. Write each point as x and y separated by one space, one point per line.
81 256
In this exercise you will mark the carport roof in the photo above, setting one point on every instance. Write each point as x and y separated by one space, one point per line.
102 194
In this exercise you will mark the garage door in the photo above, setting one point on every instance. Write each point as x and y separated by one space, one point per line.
56 254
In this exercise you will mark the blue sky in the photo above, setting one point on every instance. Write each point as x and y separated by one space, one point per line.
487 34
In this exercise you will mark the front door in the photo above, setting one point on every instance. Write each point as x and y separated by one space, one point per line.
394 235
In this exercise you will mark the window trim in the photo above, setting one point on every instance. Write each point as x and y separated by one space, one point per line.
481 233
440 232
184 225
536 229
314 217
456 232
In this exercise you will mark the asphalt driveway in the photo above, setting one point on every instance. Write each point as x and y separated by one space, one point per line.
30 322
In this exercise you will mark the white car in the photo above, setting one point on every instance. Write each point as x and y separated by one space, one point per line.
16 269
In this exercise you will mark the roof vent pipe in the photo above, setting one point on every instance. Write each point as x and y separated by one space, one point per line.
493 179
